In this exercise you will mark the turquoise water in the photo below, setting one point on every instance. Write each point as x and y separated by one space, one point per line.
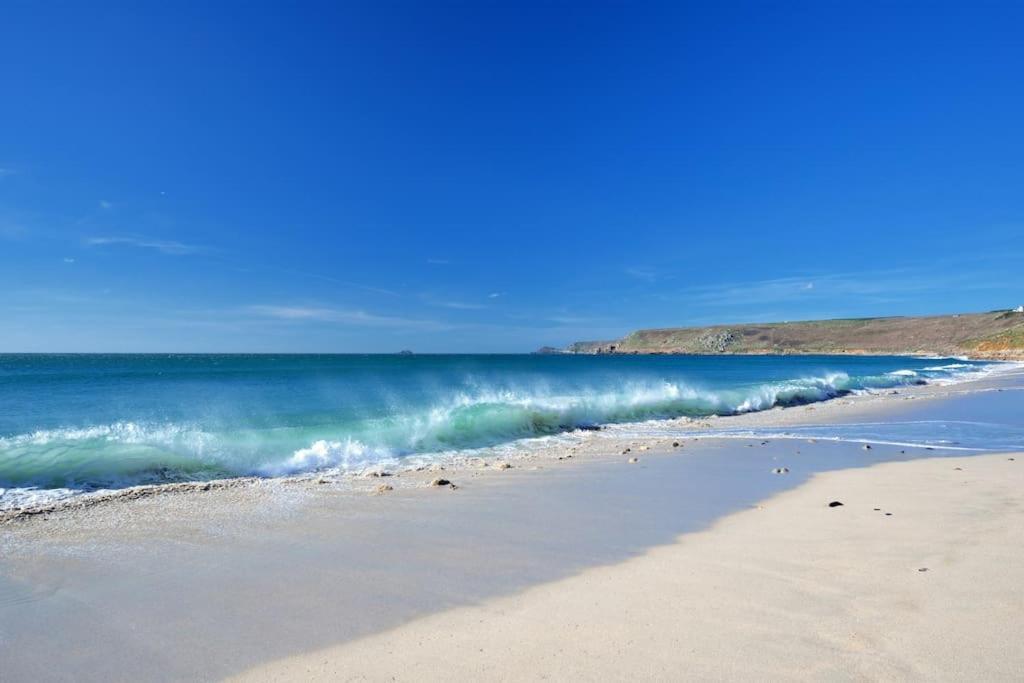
73 423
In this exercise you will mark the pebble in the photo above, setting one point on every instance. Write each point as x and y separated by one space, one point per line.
835 504
634 460
923 569
675 444
866 447
503 466
780 470
440 481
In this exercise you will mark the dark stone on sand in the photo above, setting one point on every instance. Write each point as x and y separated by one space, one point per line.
780 470
866 447
440 481
877 509
835 504
888 514
923 569
675 444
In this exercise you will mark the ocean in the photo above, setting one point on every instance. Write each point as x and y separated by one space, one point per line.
77 423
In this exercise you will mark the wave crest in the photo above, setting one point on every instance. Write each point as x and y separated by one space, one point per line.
127 453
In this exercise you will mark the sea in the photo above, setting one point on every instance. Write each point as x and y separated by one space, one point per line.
79 423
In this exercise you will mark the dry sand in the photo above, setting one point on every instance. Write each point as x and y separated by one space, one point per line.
793 589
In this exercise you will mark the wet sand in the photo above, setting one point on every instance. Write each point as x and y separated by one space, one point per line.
207 584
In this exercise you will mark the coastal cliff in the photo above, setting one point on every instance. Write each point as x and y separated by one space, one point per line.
996 335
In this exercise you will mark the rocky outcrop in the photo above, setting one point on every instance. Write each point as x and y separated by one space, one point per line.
716 342
548 350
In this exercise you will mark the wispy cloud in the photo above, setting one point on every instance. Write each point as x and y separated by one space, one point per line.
495 295
169 247
460 305
68 260
575 320
104 204
442 301
343 316
644 273
438 261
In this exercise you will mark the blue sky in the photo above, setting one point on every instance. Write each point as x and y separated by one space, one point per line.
494 177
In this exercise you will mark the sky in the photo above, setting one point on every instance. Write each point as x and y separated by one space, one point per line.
493 177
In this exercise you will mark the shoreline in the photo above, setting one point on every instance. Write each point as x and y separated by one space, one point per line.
916 576
420 470
208 584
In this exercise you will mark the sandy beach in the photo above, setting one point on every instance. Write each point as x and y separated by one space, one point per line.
511 341
582 560
917 576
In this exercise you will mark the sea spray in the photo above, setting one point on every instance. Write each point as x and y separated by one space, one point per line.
72 424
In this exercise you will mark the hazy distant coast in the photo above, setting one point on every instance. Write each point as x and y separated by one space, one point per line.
994 335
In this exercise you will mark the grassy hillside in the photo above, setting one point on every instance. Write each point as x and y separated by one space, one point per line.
999 334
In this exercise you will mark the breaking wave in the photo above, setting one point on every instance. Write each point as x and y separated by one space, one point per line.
127 453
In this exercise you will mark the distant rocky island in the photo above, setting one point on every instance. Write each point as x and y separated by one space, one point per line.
995 335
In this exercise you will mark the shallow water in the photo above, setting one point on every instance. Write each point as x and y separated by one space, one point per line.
72 423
